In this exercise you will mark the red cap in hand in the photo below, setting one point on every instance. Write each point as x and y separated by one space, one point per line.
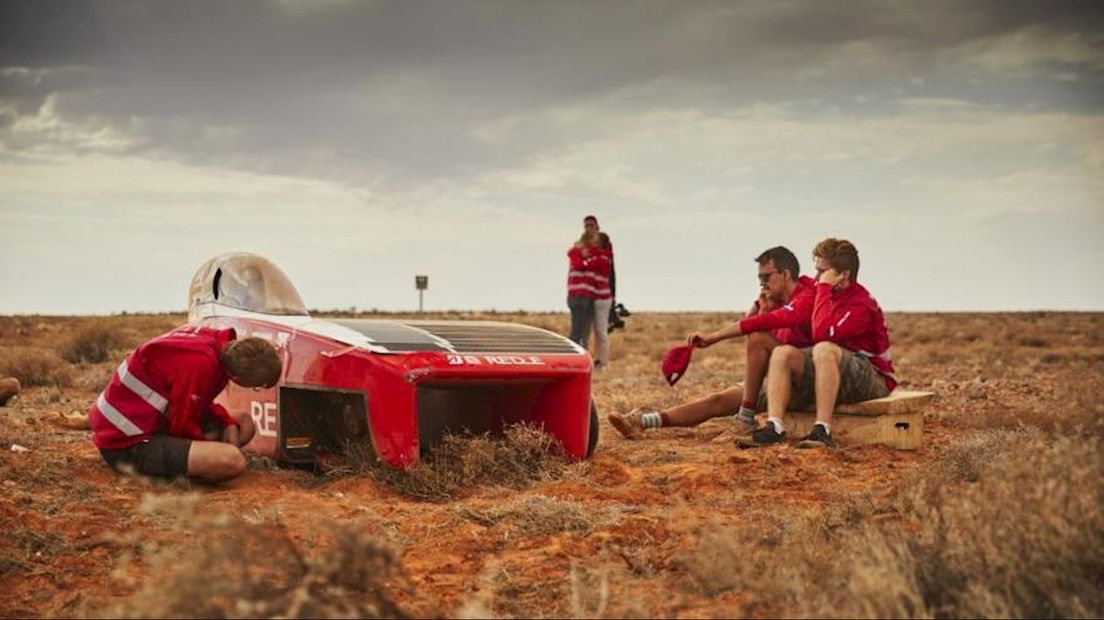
675 362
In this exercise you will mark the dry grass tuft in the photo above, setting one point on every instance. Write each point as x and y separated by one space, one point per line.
92 344
231 569
35 367
539 515
1022 541
525 456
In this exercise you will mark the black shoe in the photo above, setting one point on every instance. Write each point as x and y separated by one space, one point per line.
817 438
762 437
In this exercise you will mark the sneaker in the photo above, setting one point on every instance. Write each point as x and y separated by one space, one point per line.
762 437
817 438
740 426
747 421
630 424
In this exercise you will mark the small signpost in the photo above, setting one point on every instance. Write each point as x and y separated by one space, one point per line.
421 283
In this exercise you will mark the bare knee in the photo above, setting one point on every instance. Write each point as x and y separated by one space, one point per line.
784 355
826 353
230 464
214 460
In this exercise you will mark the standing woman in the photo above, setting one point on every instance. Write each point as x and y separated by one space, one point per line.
601 269
580 286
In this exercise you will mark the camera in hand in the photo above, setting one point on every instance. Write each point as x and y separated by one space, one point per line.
617 311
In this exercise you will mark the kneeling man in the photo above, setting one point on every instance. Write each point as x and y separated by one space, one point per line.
158 415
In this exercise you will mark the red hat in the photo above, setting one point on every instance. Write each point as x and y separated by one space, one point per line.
675 362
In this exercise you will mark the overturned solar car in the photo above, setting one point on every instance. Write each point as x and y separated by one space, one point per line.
398 384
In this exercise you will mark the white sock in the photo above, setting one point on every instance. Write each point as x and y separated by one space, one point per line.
651 420
827 427
778 426
745 415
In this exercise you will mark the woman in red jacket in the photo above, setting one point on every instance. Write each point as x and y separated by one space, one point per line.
580 286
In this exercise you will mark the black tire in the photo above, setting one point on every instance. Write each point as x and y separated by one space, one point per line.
593 442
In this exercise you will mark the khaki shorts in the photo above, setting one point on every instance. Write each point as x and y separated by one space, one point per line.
859 381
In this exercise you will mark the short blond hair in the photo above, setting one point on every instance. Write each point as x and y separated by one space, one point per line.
251 362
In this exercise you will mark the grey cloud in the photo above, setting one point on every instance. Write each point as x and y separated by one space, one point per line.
396 90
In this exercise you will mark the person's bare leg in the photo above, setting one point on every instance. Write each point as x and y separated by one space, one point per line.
759 347
632 425
215 461
712 406
786 364
826 363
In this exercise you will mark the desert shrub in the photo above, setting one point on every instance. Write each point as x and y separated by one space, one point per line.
236 569
526 455
35 367
92 344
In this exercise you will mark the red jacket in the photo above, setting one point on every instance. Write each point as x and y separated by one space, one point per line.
790 324
589 276
163 386
852 319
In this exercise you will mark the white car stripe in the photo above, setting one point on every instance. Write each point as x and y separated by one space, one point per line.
117 419
143 391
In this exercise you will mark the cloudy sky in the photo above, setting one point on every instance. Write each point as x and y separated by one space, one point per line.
959 145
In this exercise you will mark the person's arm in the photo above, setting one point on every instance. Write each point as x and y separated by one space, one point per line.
837 323
613 276
707 339
798 311
220 413
575 258
193 378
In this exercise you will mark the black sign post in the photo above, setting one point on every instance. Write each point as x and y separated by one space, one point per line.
421 283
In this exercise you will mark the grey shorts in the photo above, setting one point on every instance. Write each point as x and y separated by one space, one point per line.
859 381
163 456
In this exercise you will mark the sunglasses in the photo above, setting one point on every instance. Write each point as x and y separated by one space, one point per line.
765 277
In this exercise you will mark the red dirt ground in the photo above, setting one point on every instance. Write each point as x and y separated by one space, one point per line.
75 530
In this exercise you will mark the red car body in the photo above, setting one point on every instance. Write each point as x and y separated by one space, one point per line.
398 384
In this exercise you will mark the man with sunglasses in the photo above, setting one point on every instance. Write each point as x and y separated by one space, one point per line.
849 362
158 417
780 315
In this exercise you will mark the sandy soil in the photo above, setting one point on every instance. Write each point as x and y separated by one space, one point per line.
74 530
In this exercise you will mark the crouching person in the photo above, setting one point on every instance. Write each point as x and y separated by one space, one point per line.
158 417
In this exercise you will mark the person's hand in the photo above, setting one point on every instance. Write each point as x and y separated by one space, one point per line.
700 340
766 304
231 434
831 276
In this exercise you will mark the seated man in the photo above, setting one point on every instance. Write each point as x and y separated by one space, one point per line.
849 362
781 315
158 416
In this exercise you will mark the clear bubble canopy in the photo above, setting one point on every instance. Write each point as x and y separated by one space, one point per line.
244 281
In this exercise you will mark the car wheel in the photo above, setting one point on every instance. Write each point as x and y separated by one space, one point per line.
593 430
